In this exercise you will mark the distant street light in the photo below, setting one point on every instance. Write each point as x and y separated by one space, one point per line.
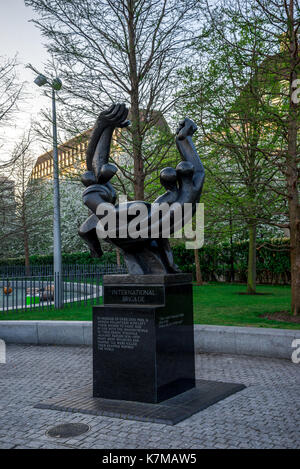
55 84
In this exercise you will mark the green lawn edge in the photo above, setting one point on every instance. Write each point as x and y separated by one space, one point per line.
214 304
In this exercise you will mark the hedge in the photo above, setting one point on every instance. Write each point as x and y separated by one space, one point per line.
273 260
272 264
67 258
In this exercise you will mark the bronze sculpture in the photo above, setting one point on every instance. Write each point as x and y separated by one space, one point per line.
143 255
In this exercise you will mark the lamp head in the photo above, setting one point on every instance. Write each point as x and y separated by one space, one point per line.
56 84
40 80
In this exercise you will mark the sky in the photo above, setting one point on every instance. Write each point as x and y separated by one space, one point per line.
19 36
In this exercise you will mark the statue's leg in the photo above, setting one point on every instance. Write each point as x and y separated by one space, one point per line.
151 257
144 262
141 256
166 255
88 233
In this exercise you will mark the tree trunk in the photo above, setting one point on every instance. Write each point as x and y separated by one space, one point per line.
294 217
292 171
295 263
251 280
25 232
26 251
231 252
139 176
118 257
199 280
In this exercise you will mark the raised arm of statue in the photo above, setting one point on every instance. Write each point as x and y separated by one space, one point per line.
97 154
188 151
184 185
99 171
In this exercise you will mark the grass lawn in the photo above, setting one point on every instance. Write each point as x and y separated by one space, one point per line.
221 304
218 304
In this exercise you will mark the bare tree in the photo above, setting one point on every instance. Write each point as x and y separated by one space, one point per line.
125 50
10 89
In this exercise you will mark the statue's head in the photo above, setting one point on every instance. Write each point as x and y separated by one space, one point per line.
185 170
168 178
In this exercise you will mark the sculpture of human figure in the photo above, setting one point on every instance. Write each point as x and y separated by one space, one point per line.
144 255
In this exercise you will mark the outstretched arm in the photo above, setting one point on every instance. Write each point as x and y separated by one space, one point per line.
188 151
185 183
98 149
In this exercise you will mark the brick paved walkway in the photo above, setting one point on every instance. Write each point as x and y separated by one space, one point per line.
264 415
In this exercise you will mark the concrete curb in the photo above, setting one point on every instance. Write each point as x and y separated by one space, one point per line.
255 341
47 332
273 343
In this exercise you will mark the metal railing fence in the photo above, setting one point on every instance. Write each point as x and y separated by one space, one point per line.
73 269
32 293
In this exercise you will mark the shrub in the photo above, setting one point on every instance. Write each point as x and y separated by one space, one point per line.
273 260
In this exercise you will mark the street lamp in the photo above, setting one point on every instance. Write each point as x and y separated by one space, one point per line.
55 84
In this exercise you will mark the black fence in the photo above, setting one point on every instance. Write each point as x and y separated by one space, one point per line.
32 293
68 269
80 284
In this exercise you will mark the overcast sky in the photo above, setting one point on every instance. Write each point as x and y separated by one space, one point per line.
19 36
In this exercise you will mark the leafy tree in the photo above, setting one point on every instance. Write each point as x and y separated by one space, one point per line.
26 210
128 51
242 109
73 213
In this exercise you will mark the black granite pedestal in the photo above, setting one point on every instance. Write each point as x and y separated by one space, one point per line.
143 355
143 338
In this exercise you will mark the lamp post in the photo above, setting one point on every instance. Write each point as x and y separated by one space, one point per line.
55 84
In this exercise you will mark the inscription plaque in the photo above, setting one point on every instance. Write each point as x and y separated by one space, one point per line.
116 333
130 294
171 320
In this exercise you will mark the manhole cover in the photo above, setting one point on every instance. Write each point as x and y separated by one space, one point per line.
67 430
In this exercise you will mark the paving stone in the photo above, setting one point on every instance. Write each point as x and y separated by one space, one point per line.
264 415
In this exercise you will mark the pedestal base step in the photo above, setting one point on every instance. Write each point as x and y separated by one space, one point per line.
168 412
